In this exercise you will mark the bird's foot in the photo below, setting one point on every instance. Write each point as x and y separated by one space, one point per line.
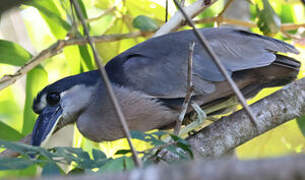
201 116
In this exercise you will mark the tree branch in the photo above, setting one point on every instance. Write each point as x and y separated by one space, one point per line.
56 48
236 129
178 19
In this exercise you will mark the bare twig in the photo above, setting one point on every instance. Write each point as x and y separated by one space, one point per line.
231 131
227 5
218 63
106 12
189 90
177 19
56 48
288 27
105 78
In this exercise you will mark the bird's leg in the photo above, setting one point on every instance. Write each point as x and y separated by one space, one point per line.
227 104
201 116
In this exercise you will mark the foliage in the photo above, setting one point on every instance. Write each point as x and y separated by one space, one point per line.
47 21
48 159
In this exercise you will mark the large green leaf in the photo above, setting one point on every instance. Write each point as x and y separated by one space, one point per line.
51 169
8 133
52 16
13 54
36 79
14 163
268 21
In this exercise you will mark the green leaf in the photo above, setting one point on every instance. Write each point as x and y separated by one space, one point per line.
301 124
138 135
51 169
52 16
268 22
145 23
24 149
86 57
36 79
128 163
8 133
14 163
113 165
13 54
98 155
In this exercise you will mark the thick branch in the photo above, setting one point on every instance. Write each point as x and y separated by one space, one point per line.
178 19
283 168
236 129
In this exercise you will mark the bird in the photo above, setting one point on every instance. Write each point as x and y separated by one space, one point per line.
150 82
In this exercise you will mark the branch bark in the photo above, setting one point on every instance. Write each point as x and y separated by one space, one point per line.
236 129
282 168
178 19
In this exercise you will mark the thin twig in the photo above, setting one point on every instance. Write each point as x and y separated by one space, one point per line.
223 20
105 78
227 5
106 12
218 63
55 49
189 90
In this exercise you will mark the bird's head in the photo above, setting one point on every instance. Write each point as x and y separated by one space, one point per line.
60 103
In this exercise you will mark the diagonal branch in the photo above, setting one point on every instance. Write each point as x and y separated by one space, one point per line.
55 49
178 19
236 129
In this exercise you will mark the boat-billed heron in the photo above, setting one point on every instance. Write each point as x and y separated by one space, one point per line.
150 81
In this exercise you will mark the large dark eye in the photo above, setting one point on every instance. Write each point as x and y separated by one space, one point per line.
53 98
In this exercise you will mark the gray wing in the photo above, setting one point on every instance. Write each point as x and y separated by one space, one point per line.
159 66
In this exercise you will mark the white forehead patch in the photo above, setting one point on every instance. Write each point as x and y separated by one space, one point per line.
42 103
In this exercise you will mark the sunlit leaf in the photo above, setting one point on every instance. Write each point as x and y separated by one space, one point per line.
13 54
36 79
8 133
52 16
111 49
268 21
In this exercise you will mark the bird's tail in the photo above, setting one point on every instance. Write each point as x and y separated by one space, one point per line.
283 70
